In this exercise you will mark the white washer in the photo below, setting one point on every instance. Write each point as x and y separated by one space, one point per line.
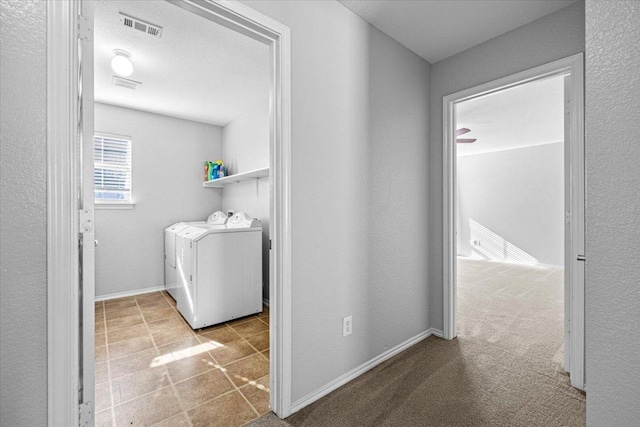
216 219
219 271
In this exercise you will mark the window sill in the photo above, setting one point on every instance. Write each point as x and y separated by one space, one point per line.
115 206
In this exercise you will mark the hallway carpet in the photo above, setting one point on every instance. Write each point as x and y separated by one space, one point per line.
503 369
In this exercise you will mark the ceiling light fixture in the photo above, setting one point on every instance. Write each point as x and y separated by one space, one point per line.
121 64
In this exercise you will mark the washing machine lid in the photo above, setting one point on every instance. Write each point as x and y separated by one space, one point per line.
242 220
217 218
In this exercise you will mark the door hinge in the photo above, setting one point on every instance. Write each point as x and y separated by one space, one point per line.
567 217
85 218
190 244
85 414
190 278
84 28
269 244
581 258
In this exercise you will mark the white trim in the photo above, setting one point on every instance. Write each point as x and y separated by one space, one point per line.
62 214
129 293
356 372
105 206
571 65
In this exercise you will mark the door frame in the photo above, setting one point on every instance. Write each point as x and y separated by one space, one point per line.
64 179
574 269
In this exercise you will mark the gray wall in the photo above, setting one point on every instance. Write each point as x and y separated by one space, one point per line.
518 195
550 38
23 232
613 212
167 157
359 158
245 147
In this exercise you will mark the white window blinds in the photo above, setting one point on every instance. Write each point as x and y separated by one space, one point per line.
112 169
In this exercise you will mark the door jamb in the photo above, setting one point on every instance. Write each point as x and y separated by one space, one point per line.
63 181
573 65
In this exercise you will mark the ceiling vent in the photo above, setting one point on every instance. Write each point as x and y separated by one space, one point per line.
126 83
136 24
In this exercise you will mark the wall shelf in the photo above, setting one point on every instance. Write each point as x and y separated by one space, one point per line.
232 179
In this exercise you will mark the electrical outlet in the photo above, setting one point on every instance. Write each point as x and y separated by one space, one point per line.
347 326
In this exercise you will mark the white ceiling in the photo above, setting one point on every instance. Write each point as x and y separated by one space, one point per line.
437 29
197 70
526 115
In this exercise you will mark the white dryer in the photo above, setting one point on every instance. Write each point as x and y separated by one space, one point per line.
219 271
216 219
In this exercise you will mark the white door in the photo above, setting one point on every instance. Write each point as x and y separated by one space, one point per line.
574 234
86 198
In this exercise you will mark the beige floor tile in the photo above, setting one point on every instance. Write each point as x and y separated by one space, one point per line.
169 299
172 335
101 354
164 324
132 363
152 298
148 409
251 327
187 347
166 313
258 396
199 389
99 328
264 319
123 348
121 312
226 411
104 419
220 335
231 351
259 341
117 304
124 322
180 420
102 396
190 366
101 372
249 369
126 333
142 382
267 354
159 305
100 340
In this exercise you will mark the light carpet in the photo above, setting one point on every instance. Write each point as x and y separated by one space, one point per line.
504 369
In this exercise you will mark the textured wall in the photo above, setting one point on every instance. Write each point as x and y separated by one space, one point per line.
359 161
553 37
613 212
517 194
23 233
245 147
168 156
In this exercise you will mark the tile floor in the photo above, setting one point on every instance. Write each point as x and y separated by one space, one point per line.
152 369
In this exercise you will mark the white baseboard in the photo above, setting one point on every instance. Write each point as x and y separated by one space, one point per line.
129 293
356 372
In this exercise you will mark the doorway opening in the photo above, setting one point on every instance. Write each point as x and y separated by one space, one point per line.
514 214
182 217
75 147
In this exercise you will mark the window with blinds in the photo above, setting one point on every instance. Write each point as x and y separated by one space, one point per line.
112 169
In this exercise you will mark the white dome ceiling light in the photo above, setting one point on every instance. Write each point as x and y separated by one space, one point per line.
121 63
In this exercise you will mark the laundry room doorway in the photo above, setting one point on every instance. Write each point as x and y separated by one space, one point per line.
165 96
